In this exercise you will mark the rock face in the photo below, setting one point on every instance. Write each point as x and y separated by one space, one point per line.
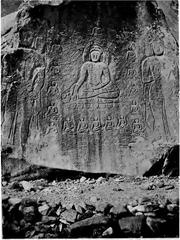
168 164
89 86
8 6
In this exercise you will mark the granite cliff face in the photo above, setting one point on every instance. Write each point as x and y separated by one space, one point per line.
90 86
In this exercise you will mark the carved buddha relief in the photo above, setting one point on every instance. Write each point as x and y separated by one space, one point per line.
155 111
95 80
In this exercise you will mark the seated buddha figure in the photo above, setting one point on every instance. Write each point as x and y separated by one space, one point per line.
95 80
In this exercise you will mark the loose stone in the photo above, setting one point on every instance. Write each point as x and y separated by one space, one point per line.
174 208
107 232
43 209
100 180
14 201
69 215
132 226
82 179
27 186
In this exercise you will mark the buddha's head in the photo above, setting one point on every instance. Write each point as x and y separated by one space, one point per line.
158 47
95 53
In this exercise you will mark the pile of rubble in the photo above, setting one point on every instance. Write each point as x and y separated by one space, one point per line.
35 218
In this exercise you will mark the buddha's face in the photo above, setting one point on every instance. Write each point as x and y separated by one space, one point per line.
158 48
95 55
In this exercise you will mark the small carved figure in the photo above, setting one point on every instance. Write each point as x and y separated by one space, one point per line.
121 122
96 125
131 54
69 125
109 123
53 88
38 81
137 126
134 106
52 112
82 126
155 112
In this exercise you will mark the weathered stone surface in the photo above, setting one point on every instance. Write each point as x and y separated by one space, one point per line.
174 208
96 94
7 6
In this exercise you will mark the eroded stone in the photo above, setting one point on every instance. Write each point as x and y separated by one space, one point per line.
69 215
70 110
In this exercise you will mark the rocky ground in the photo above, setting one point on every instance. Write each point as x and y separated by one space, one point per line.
112 206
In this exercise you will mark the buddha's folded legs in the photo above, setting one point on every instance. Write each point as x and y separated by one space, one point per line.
106 93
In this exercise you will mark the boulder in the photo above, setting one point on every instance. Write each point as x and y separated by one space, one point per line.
14 201
157 226
168 164
27 186
16 185
119 211
48 219
103 207
100 180
132 226
4 183
82 179
85 215
171 162
108 232
69 215
4 198
84 228
169 187
43 209
174 208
